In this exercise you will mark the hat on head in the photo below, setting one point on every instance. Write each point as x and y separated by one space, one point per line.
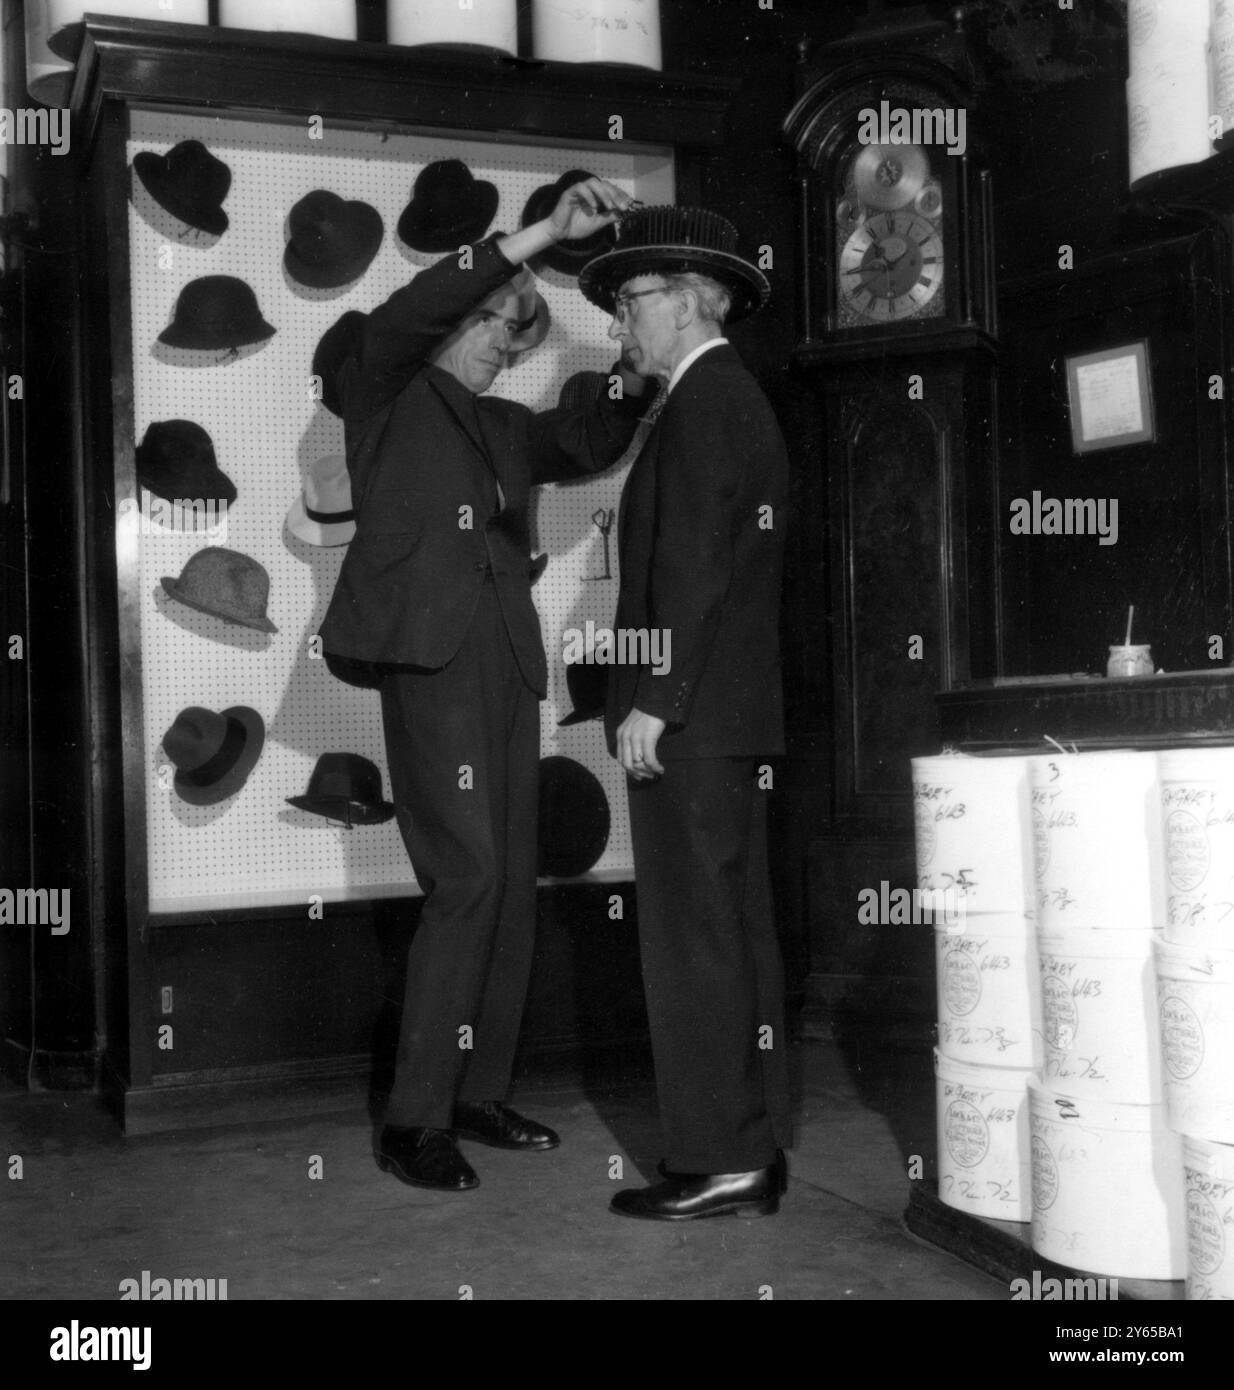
587 683
569 257
336 345
188 182
676 241
532 311
346 787
449 208
225 584
332 241
175 461
213 753
216 311
574 819
322 514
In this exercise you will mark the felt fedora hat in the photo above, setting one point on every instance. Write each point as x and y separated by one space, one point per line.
588 687
574 819
346 787
216 311
331 242
322 514
335 346
449 208
534 317
175 461
188 182
569 257
225 584
213 753
675 241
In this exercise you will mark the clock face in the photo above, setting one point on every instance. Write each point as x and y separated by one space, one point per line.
889 239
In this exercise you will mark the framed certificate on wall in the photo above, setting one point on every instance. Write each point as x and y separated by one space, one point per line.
1110 399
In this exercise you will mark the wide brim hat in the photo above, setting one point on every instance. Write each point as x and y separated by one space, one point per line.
231 758
449 208
323 514
189 182
568 257
224 584
345 787
574 819
216 311
332 241
676 241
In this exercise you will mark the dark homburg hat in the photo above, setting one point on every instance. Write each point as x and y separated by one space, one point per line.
216 311
346 787
188 182
588 687
225 584
676 241
176 461
449 208
337 344
213 753
331 241
574 819
569 257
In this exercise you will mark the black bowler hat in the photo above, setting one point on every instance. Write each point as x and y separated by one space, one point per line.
332 241
213 753
676 241
574 819
188 182
449 208
176 461
337 344
346 787
588 687
569 257
216 311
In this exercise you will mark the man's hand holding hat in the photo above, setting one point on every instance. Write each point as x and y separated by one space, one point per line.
581 211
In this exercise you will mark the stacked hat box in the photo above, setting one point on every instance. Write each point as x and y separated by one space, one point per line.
254 256
1125 1156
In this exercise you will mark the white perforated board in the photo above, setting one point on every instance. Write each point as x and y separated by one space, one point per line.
254 848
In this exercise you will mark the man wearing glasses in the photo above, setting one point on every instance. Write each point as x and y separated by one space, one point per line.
701 550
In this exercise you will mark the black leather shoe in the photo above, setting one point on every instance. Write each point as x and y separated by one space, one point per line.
492 1123
781 1172
425 1158
689 1196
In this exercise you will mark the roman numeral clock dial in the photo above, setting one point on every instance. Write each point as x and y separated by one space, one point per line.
889 238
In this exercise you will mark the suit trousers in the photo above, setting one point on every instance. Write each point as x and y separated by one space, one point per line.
462 745
712 971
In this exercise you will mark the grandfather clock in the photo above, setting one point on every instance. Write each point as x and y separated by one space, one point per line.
894 377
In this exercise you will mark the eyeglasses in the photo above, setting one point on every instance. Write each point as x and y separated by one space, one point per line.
622 302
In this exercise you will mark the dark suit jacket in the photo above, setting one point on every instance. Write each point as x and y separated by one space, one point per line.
440 481
702 551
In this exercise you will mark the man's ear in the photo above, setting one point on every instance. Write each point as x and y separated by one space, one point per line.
687 308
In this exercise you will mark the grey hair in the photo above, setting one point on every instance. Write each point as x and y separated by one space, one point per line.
714 300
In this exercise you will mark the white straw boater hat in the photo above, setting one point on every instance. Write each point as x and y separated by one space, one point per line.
322 514
676 241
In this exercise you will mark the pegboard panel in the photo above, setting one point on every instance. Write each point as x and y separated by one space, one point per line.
267 430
